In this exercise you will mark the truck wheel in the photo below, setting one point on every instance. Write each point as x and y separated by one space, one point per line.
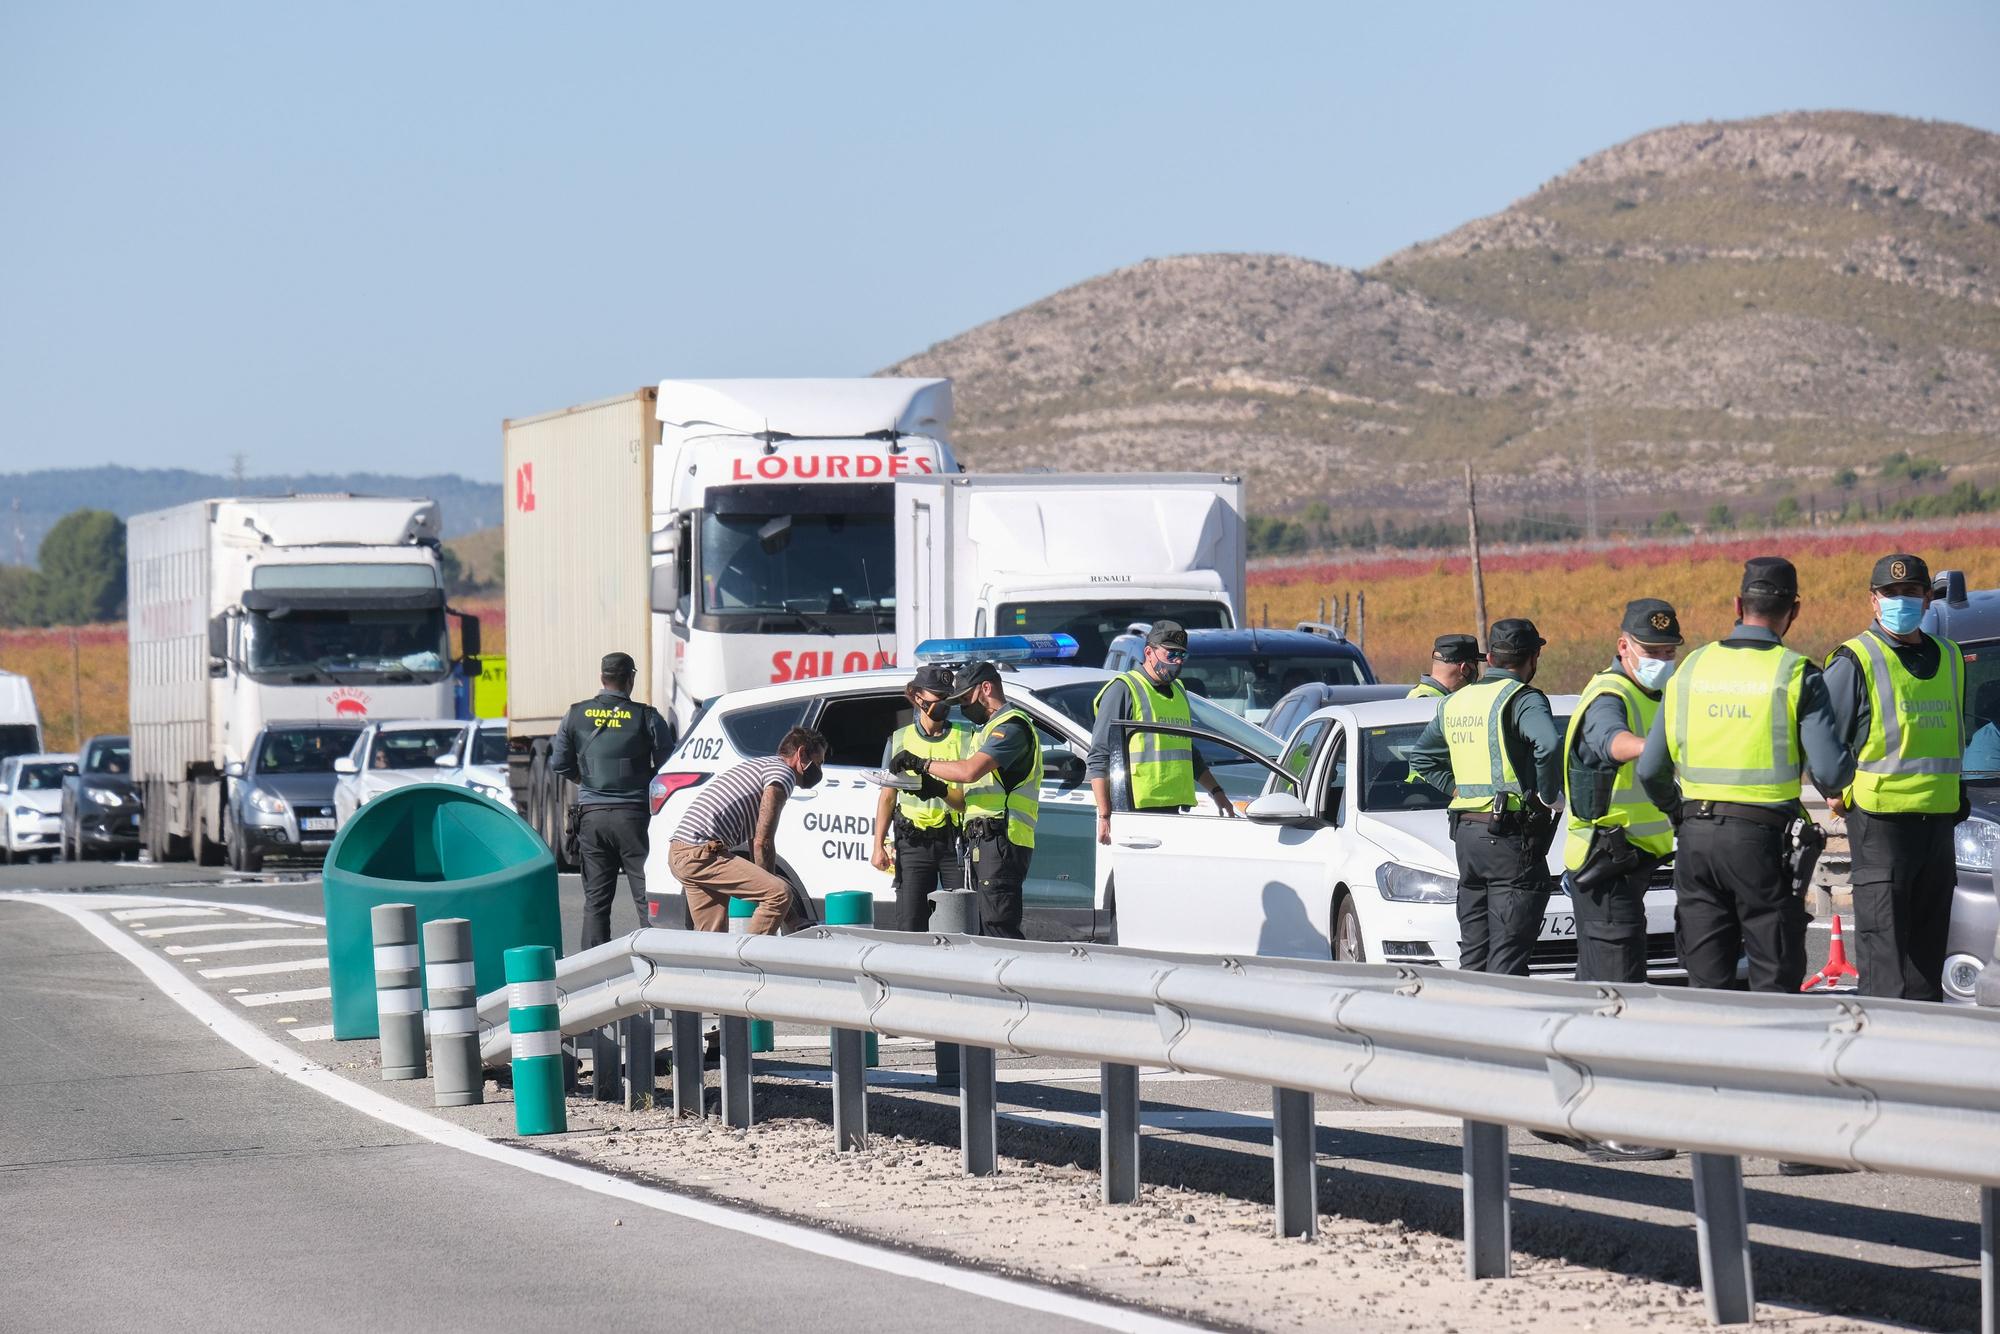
1348 946
207 851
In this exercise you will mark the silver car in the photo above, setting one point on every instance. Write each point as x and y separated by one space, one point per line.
281 798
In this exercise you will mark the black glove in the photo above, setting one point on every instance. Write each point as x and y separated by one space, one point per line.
1673 814
932 789
906 762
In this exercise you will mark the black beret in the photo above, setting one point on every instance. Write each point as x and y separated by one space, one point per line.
1651 621
1516 634
1770 576
1901 568
971 676
1455 648
934 677
1168 634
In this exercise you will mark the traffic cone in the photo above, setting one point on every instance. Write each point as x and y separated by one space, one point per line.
1837 965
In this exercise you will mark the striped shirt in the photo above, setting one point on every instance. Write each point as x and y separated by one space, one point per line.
726 810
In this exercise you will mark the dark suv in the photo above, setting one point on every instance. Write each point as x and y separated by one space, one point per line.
100 803
1972 618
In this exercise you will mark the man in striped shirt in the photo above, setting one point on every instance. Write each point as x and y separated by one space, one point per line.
739 808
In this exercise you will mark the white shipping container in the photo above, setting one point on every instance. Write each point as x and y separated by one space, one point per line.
167 597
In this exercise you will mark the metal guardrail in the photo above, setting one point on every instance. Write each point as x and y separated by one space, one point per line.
1880 1086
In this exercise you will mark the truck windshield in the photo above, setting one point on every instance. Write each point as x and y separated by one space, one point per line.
380 646
817 572
303 750
1096 624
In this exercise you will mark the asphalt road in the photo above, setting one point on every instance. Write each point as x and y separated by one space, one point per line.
153 1176
1898 1248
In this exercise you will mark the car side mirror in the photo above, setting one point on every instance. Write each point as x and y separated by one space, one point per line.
468 636
346 765
665 588
1278 808
446 761
233 769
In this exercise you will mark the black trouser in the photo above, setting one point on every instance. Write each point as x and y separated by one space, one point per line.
1733 896
920 861
999 869
1611 927
608 839
1904 877
1503 886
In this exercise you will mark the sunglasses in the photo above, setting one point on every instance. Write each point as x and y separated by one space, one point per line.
1175 654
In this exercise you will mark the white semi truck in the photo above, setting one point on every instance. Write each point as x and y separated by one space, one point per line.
20 721
248 611
1083 554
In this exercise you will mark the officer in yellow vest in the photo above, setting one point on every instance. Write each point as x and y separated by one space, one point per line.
1898 695
1002 778
922 826
1454 664
1165 770
1494 747
1741 722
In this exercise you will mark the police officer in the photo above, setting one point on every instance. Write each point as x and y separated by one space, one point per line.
1898 696
1740 722
1002 778
1454 664
611 747
922 826
1616 835
1494 747
1164 769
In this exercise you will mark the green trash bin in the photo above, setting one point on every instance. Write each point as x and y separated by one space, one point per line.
451 852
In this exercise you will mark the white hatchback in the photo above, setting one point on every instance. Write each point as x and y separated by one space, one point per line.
31 805
393 754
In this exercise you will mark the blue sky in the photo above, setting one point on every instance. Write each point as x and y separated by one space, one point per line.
358 236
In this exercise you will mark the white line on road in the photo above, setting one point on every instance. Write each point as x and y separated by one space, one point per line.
279 997
139 914
231 946
316 1033
253 1042
216 926
259 969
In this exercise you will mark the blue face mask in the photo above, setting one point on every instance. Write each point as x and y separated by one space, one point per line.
1652 673
1899 616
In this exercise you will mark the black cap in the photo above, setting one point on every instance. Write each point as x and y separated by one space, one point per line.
1516 634
1770 576
1901 568
1167 634
969 677
1455 648
934 677
1651 621
618 664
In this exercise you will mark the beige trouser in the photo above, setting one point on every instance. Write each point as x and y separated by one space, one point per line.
711 875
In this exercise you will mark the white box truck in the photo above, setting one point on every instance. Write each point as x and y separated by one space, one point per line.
1084 554
725 533
253 610
20 722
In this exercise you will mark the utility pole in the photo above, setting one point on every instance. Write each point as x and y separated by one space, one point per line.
1478 575
20 538
236 473
1589 483
75 694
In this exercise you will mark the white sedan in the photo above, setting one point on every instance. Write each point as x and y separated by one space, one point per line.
394 754
31 805
1348 860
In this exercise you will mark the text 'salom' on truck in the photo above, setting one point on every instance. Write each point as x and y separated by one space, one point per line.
246 612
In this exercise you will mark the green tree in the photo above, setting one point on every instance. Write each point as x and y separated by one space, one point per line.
20 596
1787 512
1670 524
1846 478
83 568
1720 516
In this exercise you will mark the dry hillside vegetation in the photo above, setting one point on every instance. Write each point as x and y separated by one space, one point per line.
1729 310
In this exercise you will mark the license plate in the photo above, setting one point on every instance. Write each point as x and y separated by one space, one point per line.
1561 924
316 824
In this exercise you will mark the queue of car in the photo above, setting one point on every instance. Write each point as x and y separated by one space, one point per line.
31 792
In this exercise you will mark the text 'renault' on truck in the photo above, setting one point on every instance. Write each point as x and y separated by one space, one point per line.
250 611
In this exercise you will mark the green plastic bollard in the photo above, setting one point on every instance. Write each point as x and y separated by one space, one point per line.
536 1023
763 1036
855 907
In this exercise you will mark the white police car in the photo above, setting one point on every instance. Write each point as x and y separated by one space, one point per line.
1341 858
823 838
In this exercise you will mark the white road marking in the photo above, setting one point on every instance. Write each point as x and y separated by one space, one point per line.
236 946
316 1033
157 931
139 906
259 969
247 1038
278 997
136 914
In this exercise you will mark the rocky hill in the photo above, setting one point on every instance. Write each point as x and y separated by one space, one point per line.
1736 310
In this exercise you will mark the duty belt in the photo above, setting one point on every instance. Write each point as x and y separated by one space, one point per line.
982 830
907 832
1776 817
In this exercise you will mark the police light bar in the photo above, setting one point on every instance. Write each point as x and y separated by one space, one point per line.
999 648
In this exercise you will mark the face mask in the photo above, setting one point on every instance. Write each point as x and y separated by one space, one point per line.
975 712
934 714
1166 673
1899 616
812 775
1652 673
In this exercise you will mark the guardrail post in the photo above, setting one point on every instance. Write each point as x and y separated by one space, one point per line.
850 1091
1722 1232
979 1112
1295 1180
459 1078
1489 1240
763 1034
855 907
1118 1132
951 914
536 1024
1989 1260
399 990
685 1026
605 1081
637 1032
736 1071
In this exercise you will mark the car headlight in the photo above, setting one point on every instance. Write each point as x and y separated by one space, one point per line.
105 796
25 813
492 790
1407 884
1974 843
268 802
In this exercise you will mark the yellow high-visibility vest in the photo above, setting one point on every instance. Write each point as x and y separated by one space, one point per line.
955 744
1732 724
1161 765
1916 734
987 799
1626 805
1482 771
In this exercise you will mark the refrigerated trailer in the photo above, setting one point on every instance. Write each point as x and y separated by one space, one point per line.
252 610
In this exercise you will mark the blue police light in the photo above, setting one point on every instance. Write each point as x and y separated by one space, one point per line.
999 648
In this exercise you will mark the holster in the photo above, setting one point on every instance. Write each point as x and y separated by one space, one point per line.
1612 857
1804 841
